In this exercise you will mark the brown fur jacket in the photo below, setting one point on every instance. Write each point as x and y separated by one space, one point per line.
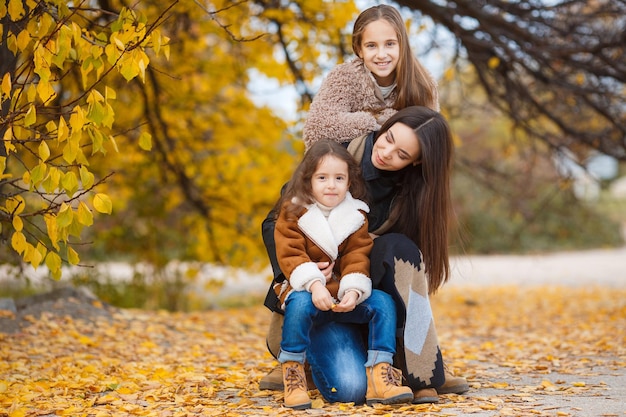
307 237
349 104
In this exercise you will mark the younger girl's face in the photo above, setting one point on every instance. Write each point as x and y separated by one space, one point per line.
397 148
380 51
330 181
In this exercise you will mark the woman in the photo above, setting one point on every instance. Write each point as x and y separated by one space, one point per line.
406 166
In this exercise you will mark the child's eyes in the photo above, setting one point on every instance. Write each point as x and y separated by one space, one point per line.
325 178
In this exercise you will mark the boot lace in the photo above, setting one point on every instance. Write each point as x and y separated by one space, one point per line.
391 375
295 378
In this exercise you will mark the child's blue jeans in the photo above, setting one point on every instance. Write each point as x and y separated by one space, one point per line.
302 317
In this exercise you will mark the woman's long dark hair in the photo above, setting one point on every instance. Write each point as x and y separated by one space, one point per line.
422 209
299 187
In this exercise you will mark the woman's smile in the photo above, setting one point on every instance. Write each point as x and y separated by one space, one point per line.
379 161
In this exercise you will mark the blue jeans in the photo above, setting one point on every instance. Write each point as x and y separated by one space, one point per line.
337 357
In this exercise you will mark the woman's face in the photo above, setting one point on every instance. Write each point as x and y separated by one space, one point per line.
397 148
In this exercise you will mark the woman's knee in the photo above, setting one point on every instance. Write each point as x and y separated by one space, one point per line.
337 355
349 390
345 385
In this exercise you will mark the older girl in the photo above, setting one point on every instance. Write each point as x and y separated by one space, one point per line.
357 97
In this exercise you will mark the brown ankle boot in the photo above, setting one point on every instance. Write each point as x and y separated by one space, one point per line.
454 384
384 385
294 381
273 380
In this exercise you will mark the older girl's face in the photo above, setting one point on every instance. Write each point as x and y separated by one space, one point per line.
397 148
380 51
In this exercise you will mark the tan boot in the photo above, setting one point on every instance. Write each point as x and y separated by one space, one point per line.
454 384
384 385
273 380
294 381
425 396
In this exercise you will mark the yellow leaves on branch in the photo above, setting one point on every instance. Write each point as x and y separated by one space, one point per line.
15 8
145 141
51 143
6 86
102 203
127 42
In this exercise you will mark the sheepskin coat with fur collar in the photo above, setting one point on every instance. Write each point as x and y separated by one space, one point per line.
305 236
349 104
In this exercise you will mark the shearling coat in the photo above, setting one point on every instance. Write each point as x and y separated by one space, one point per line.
349 104
307 237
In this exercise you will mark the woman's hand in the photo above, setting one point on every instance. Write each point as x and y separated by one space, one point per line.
327 269
321 297
348 302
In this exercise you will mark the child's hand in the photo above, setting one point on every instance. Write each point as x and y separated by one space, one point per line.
327 269
348 302
321 297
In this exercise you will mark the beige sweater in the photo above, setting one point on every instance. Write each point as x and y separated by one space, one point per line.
348 104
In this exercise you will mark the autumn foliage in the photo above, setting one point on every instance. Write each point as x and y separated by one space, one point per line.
144 111
129 129
58 118
526 351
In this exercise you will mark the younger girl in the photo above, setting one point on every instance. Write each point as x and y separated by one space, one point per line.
357 97
320 221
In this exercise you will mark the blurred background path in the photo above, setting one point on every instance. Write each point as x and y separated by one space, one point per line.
600 267
592 267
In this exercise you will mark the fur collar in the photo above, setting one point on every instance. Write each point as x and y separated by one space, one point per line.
343 220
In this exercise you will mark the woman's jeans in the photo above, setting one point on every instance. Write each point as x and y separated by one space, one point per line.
337 356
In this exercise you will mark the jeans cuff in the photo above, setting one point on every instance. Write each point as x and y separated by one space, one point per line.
374 357
284 356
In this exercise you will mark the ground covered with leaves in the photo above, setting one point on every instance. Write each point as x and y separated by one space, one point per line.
525 352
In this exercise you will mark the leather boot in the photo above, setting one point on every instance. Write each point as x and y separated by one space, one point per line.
454 384
384 385
273 380
425 396
294 381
